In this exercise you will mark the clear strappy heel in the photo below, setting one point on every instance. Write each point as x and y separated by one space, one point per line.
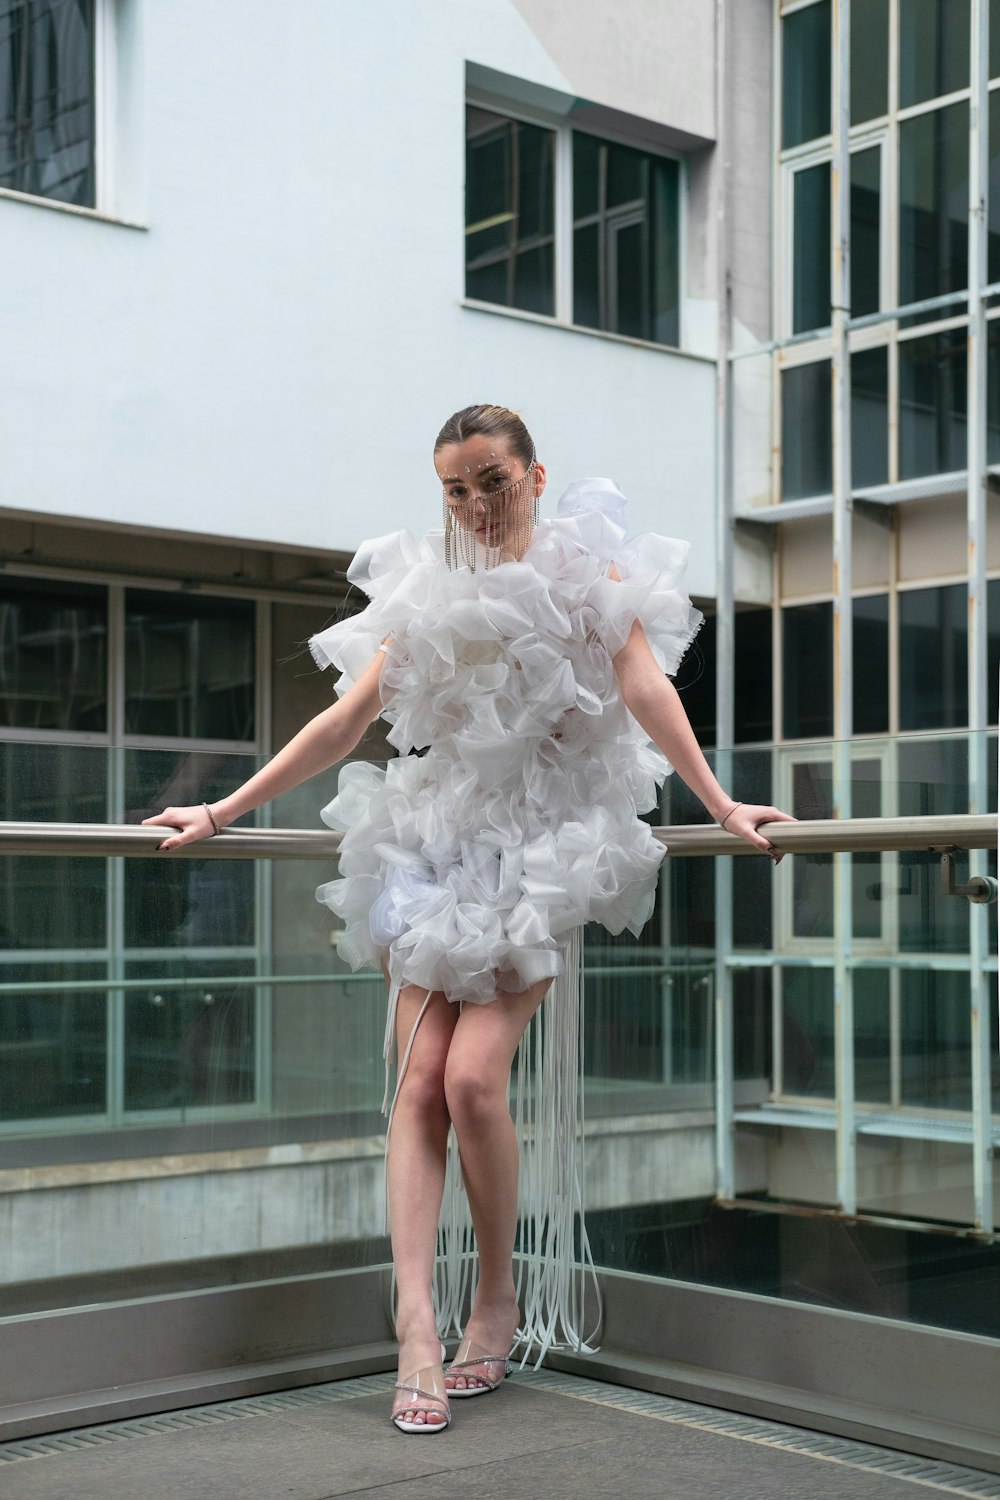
468 1355
427 1394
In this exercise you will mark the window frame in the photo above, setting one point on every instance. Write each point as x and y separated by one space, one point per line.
563 221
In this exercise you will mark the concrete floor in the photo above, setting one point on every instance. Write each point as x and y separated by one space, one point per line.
546 1436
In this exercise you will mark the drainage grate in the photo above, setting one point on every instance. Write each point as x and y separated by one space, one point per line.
952 1479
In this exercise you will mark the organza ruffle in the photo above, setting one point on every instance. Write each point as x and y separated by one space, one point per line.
470 865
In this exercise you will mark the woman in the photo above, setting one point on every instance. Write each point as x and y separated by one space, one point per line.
530 657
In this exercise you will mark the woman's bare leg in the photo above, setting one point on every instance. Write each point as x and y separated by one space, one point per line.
415 1166
476 1082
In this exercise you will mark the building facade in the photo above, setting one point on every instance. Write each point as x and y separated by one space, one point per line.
251 270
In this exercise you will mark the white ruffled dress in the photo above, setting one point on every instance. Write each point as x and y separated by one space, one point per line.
473 867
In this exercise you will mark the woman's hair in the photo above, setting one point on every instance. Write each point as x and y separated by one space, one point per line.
490 421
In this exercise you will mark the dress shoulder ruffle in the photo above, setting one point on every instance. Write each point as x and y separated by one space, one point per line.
398 569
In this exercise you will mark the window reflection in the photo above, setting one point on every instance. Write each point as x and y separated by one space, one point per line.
869 59
933 49
53 1043
53 656
811 249
805 74
189 667
933 375
47 99
625 240
933 688
806 431
933 203
509 212
189 1047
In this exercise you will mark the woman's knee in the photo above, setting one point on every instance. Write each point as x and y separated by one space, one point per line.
473 1089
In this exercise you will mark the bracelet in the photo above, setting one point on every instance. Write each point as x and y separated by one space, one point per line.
721 825
211 818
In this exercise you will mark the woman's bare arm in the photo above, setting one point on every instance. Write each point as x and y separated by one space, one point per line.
326 739
654 702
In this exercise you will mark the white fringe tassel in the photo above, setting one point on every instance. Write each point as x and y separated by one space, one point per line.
552 1283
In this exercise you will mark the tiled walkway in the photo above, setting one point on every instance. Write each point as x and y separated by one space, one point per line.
545 1435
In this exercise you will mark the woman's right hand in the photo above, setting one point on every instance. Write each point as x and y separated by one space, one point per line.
187 825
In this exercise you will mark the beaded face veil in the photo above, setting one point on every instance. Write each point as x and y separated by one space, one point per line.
490 511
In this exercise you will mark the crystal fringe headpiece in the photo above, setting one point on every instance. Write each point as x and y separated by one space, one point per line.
495 523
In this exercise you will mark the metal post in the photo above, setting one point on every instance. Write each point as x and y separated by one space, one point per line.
725 1173
843 685
979 984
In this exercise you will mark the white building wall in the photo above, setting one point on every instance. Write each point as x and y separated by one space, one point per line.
269 355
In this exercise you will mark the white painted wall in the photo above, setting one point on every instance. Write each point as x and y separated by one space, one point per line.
269 357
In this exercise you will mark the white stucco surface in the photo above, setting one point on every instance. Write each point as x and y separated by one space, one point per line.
269 357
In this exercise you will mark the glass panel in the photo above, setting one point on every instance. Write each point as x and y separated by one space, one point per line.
807 671
995 39
933 49
992 649
587 153
872 1036
57 902
993 245
806 431
587 276
627 173
628 279
533 280
933 690
811 249
189 667
869 59
47 99
509 212
871 665
53 1042
753 672
993 390
805 74
53 656
933 203
936 1040
203 903
866 195
193 1045
932 396
807 1008
869 417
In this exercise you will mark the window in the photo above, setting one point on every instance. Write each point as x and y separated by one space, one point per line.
189 667
909 187
47 61
53 656
932 403
933 689
871 664
509 212
754 672
805 74
807 671
625 241
621 217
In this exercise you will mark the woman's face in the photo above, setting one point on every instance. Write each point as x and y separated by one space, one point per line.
488 491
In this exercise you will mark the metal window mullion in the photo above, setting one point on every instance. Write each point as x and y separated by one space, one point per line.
976 436
115 880
264 883
843 998
563 210
725 1144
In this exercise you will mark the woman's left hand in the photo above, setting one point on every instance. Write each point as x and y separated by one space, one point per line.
745 820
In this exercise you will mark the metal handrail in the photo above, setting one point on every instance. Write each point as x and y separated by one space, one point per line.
808 836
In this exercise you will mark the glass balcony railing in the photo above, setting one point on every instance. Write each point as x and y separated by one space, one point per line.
789 1076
